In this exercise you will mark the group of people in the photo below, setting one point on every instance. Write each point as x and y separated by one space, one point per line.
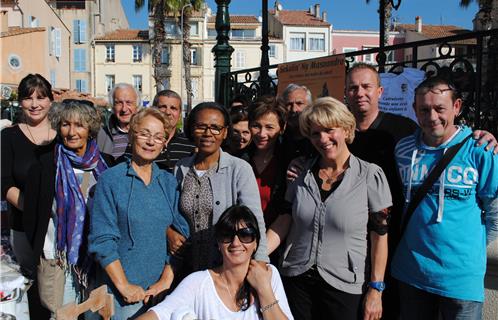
277 209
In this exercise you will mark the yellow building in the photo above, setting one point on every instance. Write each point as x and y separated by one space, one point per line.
122 56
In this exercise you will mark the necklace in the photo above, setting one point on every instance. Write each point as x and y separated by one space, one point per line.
333 177
33 138
225 282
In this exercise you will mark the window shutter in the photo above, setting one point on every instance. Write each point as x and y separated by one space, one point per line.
76 31
84 86
82 31
57 42
83 59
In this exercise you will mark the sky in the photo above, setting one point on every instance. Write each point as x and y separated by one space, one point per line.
345 14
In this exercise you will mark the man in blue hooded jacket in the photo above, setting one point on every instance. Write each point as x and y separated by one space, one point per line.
441 258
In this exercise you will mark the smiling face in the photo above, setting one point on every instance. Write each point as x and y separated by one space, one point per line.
436 113
125 105
330 142
74 135
171 108
237 252
265 131
209 131
241 135
35 107
363 92
148 139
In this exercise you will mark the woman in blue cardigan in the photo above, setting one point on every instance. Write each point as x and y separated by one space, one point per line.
135 202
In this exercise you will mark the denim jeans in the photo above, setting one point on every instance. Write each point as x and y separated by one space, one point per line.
417 304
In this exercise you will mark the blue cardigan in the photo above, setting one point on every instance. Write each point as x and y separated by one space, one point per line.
129 220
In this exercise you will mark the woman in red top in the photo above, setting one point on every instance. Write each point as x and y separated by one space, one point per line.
267 119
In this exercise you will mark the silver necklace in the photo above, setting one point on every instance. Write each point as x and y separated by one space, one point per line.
33 138
228 290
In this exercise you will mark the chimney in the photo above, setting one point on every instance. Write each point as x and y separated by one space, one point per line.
418 24
311 10
317 11
324 16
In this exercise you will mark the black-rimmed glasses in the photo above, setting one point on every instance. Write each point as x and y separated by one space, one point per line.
214 129
245 235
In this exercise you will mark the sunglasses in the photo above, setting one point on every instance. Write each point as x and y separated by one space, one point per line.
245 235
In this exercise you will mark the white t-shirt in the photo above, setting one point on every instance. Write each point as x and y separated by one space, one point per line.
196 296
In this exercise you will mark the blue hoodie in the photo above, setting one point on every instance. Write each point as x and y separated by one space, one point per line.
443 250
129 219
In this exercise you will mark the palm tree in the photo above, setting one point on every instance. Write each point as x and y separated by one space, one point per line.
160 9
487 15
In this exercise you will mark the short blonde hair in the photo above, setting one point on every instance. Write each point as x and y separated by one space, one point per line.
146 112
328 112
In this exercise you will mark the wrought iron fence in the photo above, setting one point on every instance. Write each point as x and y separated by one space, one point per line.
470 60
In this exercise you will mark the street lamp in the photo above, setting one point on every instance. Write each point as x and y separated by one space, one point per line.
182 72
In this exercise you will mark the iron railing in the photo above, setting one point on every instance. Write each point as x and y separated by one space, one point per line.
470 60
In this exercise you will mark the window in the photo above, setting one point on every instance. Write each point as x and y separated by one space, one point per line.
346 50
166 83
171 29
297 41
55 45
165 55
137 82
79 31
195 57
52 78
137 53
14 62
240 59
272 53
194 28
81 86
368 58
317 42
109 53
243 34
212 34
79 60
195 88
33 21
109 82
390 56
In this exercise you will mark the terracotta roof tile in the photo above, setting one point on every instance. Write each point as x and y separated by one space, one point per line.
299 18
237 19
14 31
125 35
439 31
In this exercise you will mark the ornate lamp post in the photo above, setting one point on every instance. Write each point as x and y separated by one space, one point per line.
264 79
222 52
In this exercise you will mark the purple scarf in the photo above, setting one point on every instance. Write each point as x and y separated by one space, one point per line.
71 204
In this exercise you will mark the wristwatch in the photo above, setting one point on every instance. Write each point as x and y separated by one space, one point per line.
377 285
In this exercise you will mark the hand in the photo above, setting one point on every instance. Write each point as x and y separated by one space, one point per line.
259 276
295 168
132 293
372 305
175 241
486 138
157 288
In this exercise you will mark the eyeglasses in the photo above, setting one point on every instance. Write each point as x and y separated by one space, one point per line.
146 136
201 128
85 102
245 235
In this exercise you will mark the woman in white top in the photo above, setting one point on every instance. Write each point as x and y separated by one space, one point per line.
241 288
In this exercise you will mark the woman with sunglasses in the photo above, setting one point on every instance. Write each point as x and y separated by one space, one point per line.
135 202
22 146
239 288
211 181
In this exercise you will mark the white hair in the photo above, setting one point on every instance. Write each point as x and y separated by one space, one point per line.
124 85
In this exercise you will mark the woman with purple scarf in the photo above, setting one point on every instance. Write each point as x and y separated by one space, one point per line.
57 203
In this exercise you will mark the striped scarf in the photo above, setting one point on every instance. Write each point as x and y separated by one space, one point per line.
71 204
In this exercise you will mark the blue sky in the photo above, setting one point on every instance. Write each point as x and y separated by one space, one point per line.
345 14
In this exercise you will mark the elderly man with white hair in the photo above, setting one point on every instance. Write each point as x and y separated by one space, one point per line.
113 136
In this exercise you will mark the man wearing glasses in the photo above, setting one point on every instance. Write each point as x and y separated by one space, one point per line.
177 146
441 258
113 136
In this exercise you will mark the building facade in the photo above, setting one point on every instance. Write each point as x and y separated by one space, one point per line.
34 40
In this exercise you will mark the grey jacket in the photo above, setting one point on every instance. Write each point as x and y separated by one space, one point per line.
105 136
233 183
